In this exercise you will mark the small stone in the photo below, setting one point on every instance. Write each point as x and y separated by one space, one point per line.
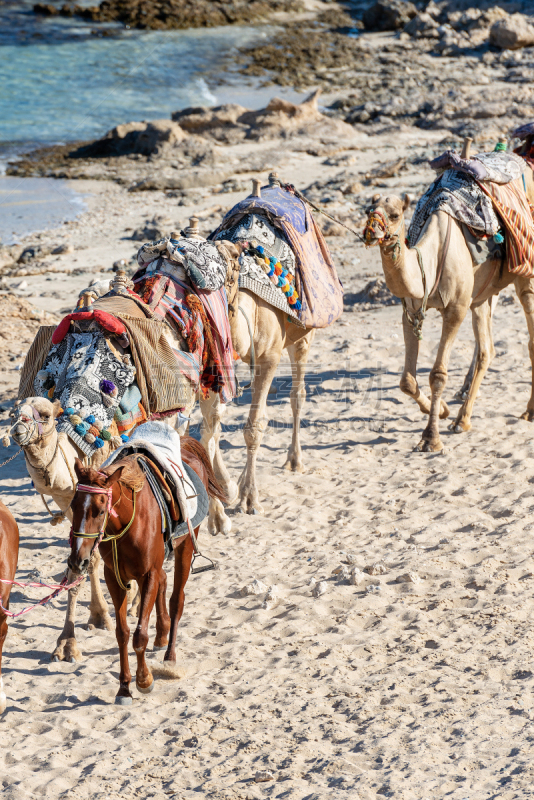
271 597
409 577
63 249
263 776
256 587
320 588
356 576
376 569
351 558
373 588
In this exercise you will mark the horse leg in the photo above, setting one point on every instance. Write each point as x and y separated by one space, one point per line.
453 317
408 381
3 634
525 290
163 621
212 413
149 591
122 632
183 554
298 353
66 646
98 608
485 352
253 433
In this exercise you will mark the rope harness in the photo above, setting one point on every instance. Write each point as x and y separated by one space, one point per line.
101 535
379 219
57 589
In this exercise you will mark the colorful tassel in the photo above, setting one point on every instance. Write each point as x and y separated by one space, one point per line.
107 386
75 419
99 442
90 419
69 411
98 425
89 438
106 435
124 438
81 428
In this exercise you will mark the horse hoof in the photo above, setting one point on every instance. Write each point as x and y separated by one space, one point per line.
163 647
147 690
123 701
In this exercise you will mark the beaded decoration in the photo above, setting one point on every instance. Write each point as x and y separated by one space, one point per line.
277 274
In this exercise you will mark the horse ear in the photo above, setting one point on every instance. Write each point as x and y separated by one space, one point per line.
406 200
78 468
114 477
56 408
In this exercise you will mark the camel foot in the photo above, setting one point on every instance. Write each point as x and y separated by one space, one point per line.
461 395
249 505
145 689
100 620
231 490
294 464
425 446
460 427
218 521
528 415
123 700
66 650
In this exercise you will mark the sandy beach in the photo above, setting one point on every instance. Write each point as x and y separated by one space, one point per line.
415 681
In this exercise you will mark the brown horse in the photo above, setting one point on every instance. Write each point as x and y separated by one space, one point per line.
119 502
9 553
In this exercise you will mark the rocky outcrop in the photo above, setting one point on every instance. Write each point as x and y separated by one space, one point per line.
513 32
172 14
142 138
389 15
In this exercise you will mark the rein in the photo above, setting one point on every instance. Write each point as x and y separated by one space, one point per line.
101 535
57 589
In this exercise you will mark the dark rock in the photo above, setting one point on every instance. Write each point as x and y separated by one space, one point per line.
144 138
31 253
389 15
47 9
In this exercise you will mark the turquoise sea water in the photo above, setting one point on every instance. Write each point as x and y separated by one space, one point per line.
61 80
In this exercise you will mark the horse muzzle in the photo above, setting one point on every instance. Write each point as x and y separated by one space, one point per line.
78 566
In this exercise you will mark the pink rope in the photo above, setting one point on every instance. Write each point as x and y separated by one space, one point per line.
57 588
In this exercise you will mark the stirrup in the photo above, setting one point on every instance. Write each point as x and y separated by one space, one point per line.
202 567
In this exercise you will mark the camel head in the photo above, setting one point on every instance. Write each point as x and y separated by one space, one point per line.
385 220
35 419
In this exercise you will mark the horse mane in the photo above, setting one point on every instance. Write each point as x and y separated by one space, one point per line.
91 476
193 450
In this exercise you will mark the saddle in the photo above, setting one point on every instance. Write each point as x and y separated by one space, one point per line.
134 475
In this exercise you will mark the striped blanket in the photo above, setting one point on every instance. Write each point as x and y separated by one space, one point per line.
511 204
202 318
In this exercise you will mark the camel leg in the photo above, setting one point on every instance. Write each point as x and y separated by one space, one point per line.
163 621
485 352
3 634
183 554
298 353
453 317
149 591
122 631
134 598
525 291
212 413
66 646
98 608
408 381
253 433
464 391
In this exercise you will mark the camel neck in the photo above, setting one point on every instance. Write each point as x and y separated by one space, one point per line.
401 267
41 454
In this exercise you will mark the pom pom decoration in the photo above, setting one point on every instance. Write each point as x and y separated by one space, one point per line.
51 392
69 411
99 442
106 435
108 387
81 428
498 238
94 431
75 419
6 441
98 425
89 438
108 401
116 441
90 419
42 375
124 438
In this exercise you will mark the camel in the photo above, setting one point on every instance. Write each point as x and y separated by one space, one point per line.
50 458
453 289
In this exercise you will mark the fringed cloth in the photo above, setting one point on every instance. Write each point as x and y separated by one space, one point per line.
318 286
511 204
202 318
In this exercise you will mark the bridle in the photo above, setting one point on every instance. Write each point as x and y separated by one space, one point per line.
30 425
379 219
101 536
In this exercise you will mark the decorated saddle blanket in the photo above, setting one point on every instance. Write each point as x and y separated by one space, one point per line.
161 444
183 280
317 286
